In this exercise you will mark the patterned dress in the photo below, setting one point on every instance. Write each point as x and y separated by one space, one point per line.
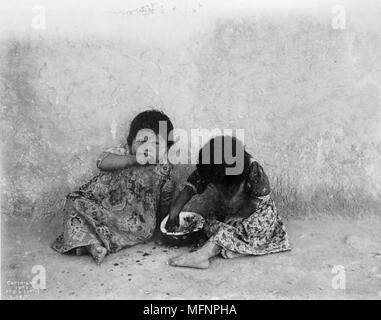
261 232
116 209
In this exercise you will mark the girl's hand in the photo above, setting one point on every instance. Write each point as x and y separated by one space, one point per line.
182 199
173 223
151 156
146 156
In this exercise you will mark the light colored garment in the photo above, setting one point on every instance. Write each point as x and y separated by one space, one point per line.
116 209
263 232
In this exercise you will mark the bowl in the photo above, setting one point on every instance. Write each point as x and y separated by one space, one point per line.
191 230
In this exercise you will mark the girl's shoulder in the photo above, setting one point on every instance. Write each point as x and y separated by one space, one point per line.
257 182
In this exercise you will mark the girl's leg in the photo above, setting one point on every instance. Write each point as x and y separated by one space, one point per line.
98 252
198 259
80 251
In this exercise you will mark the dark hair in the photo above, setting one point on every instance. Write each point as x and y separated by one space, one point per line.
214 169
149 119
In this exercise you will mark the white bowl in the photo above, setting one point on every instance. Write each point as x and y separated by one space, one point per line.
182 221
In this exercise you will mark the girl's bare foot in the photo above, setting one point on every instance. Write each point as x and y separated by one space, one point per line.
98 252
198 259
190 260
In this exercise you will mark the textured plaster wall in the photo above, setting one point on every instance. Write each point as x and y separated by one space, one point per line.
307 95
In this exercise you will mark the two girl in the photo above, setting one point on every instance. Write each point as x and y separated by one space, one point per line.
124 204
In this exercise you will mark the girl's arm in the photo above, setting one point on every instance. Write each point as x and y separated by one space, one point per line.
181 200
111 162
119 158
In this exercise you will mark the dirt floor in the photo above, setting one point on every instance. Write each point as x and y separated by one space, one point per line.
141 272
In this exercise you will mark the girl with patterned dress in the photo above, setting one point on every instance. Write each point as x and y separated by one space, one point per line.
123 204
248 224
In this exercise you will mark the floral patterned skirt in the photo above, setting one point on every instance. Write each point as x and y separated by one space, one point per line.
115 210
87 223
261 233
